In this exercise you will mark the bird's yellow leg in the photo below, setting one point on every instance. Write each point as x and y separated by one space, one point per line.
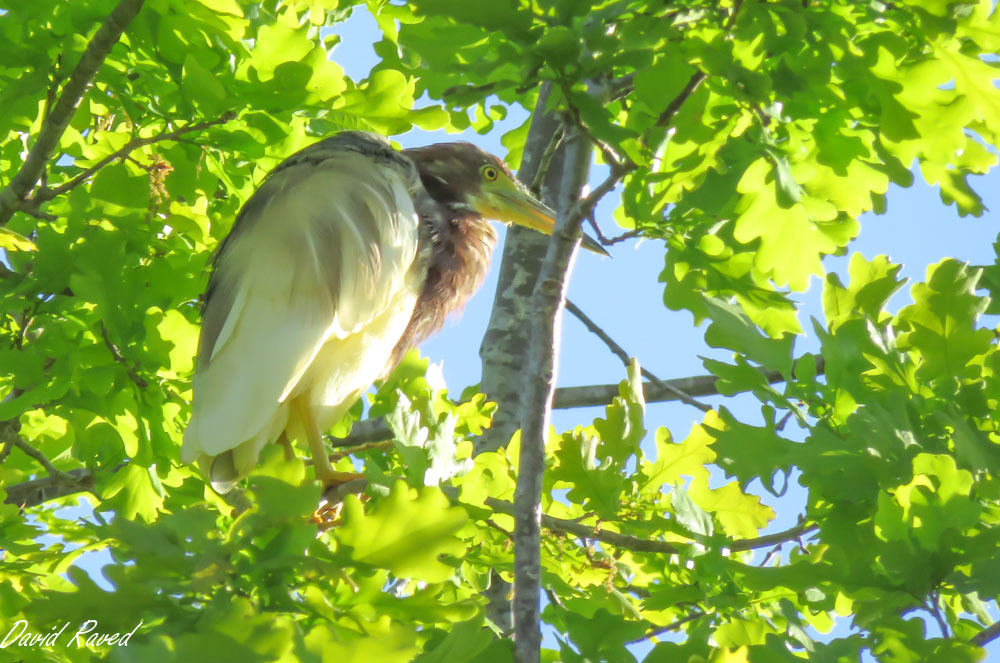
286 444
321 460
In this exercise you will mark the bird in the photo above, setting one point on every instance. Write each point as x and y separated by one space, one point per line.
349 253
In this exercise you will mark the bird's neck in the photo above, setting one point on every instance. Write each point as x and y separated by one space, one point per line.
456 266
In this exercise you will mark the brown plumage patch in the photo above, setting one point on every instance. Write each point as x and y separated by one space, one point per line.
451 171
457 265
461 241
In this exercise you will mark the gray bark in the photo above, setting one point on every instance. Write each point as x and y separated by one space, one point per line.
537 388
503 350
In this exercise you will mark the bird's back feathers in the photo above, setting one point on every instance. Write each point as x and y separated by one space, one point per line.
324 261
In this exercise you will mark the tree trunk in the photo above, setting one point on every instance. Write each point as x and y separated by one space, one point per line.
504 347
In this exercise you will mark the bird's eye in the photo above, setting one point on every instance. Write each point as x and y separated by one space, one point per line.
490 173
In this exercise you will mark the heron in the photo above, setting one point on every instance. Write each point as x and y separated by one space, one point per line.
349 254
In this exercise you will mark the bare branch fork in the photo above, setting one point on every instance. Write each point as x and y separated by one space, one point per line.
12 197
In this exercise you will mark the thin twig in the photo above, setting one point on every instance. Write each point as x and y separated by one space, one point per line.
493 525
639 544
625 358
604 239
669 627
367 446
543 165
13 196
987 635
38 214
124 152
611 241
667 116
621 87
701 385
731 21
934 599
615 161
40 458
133 373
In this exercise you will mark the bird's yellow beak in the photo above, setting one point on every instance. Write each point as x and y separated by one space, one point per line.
507 202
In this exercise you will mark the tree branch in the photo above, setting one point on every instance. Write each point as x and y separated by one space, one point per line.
699 385
39 491
667 116
591 532
54 125
619 352
669 627
367 446
11 438
987 635
116 353
506 337
546 160
639 544
536 400
375 430
363 432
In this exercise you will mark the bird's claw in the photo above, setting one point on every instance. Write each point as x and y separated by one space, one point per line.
327 516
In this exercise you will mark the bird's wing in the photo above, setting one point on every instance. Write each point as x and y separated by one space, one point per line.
325 246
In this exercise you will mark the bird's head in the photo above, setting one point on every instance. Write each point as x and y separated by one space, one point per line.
467 179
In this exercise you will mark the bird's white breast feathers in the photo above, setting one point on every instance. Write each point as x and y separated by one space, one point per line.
319 284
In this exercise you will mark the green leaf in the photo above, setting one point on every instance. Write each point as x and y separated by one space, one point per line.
750 452
131 493
597 485
791 244
942 322
462 643
230 7
677 460
202 89
872 284
115 184
275 45
732 329
560 46
689 514
405 533
12 241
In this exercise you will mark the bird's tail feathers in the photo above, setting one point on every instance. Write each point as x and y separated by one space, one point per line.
223 474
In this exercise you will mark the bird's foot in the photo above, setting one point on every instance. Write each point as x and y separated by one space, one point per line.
328 516
336 486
